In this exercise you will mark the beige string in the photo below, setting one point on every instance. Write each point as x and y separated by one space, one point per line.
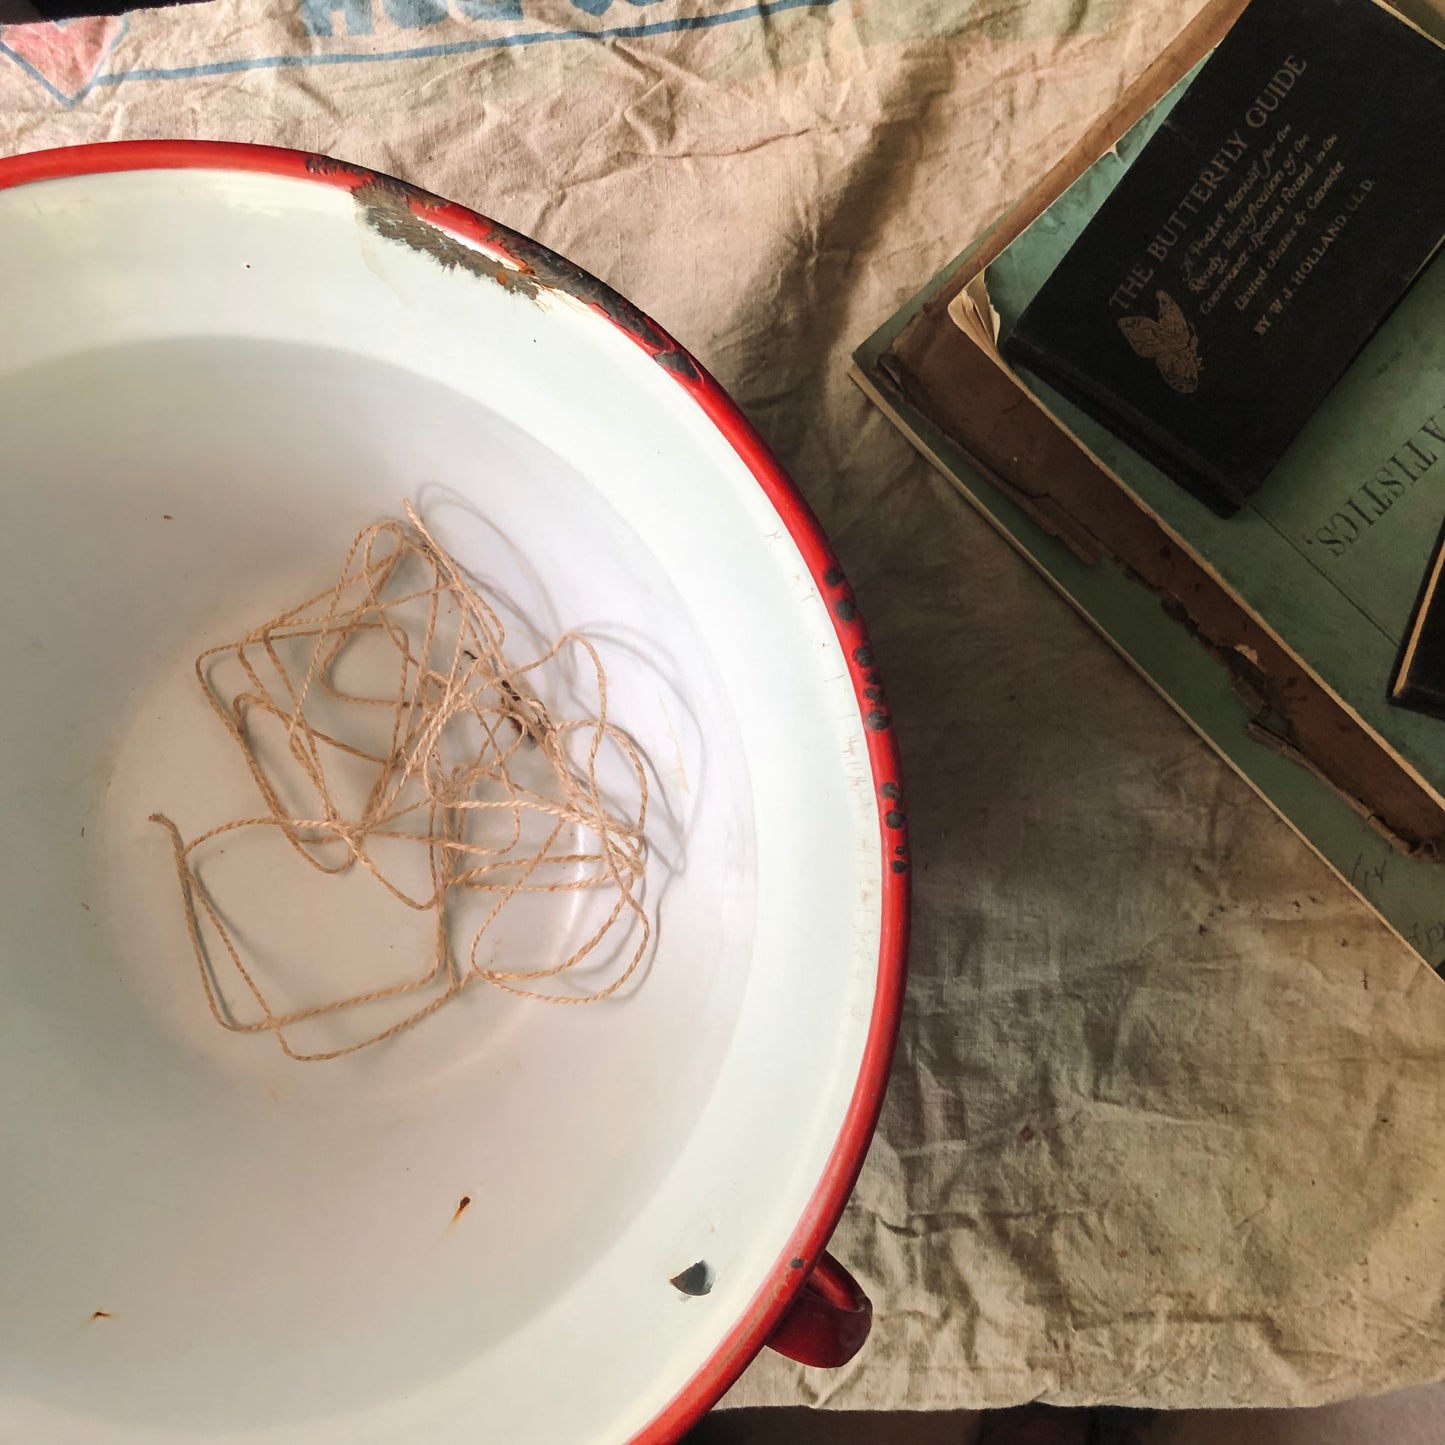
461 714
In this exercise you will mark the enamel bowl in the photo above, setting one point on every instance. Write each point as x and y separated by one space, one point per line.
515 1222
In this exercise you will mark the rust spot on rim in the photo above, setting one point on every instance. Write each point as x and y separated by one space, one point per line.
390 208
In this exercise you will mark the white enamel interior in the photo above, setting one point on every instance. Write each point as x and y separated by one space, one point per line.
208 381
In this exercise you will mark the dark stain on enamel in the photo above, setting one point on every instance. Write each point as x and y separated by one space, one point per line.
695 1280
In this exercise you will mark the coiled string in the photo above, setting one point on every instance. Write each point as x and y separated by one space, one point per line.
461 718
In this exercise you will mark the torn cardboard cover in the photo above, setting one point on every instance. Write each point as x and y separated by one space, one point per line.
1167 1123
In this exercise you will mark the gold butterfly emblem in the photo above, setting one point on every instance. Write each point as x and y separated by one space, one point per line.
1171 341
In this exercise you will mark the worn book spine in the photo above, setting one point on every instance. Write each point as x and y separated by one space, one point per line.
1223 491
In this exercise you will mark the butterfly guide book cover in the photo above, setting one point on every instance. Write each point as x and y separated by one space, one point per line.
1271 223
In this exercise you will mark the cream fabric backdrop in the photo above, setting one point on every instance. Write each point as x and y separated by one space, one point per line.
1168 1120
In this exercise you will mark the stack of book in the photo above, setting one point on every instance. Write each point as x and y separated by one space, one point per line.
1197 377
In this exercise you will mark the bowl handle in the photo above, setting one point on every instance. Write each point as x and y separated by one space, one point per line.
828 1320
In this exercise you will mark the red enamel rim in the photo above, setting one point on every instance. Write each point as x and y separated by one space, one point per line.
813 1230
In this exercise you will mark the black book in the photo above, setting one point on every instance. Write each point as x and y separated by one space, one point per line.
1420 671
1259 239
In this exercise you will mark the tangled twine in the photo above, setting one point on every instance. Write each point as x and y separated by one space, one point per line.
460 716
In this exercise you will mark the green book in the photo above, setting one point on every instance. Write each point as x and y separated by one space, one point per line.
1332 549
1328 555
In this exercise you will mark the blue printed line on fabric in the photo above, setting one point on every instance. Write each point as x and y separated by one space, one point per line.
757 11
